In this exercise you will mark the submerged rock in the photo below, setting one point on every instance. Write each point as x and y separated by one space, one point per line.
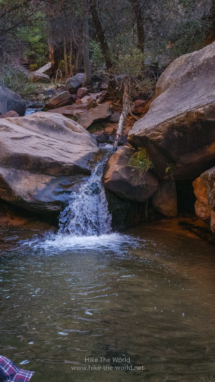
179 129
11 101
43 156
126 181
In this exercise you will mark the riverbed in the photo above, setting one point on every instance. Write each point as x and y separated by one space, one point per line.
132 307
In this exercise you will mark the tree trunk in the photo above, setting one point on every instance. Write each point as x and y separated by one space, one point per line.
86 53
65 57
140 26
100 34
125 111
210 36
70 60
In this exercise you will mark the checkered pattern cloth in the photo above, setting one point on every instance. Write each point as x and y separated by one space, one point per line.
9 371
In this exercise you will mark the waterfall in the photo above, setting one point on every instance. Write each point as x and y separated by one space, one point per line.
87 213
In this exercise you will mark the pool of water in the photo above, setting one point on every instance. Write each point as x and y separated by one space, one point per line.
132 307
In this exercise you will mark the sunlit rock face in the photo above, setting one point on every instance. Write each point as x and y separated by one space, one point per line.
43 157
179 129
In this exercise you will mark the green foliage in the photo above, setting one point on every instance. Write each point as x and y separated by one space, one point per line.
140 160
97 58
129 62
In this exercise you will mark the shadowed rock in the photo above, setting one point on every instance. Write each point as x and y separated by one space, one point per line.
127 182
96 114
11 101
179 129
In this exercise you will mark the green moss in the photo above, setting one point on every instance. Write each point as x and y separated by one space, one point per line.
170 168
140 160
96 127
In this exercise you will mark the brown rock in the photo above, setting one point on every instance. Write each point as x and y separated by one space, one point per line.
179 126
43 156
62 99
96 114
79 102
9 114
213 221
127 182
139 106
38 77
82 92
110 130
70 110
165 199
202 208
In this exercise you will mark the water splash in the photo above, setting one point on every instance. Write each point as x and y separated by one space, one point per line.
87 213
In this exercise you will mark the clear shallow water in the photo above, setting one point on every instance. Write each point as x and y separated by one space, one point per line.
148 297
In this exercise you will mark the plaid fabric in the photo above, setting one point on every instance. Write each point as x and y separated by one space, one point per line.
9 371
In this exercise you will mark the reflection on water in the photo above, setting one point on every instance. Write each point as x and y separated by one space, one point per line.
145 307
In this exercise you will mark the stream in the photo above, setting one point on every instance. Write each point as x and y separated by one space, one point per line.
88 304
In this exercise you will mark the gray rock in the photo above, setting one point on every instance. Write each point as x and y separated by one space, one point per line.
11 101
75 82
179 128
115 117
43 156
96 114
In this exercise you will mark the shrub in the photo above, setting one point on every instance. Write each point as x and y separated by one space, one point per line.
140 160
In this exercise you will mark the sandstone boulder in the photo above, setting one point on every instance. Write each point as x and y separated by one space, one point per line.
179 128
127 182
165 199
11 101
43 156
9 114
204 188
75 82
82 92
59 100
38 77
96 114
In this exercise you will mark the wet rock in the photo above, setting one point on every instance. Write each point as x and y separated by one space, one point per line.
165 199
96 114
82 92
115 118
102 137
75 82
9 114
43 156
38 77
11 101
127 182
59 100
178 129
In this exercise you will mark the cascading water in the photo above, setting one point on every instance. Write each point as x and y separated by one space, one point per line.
87 213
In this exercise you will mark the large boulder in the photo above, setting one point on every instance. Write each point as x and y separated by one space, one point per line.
43 157
75 82
127 182
94 115
11 101
38 77
179 128
204 188
59 100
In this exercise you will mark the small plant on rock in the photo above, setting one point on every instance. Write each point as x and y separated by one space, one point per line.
140 160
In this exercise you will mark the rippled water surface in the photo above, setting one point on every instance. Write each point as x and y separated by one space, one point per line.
142 309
